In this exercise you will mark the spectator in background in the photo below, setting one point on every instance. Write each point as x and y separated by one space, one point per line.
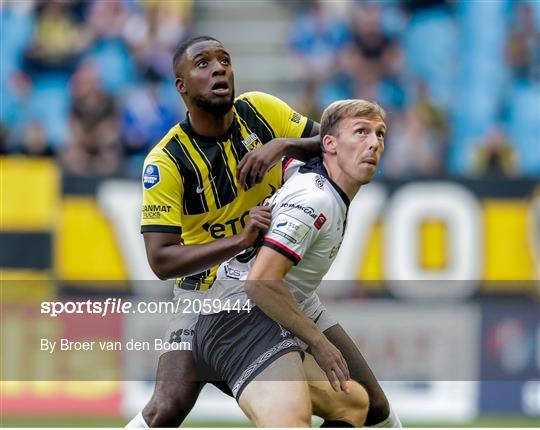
374 56
93 147
35 142
418 139
57 39
494 157
146 116
154 34
318 39
522 51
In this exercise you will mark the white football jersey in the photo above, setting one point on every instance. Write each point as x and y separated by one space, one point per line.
309 214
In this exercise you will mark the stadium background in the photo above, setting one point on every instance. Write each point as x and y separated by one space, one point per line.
87 89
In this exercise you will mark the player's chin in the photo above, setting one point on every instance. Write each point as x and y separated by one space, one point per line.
366 174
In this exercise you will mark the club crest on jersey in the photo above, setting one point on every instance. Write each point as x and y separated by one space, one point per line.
319 222
252 141
150 176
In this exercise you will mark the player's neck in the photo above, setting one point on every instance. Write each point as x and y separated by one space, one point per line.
349 185
206 124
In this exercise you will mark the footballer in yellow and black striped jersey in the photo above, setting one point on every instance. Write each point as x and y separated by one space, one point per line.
189 181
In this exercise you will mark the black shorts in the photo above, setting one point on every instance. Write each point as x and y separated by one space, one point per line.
237 346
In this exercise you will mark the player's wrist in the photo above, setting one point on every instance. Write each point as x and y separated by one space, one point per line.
243 241
316 339
286 147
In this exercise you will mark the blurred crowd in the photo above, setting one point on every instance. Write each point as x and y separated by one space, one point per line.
460 80
89 81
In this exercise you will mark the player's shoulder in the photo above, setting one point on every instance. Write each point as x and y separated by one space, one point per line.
260 99
159 151
309 186
301 195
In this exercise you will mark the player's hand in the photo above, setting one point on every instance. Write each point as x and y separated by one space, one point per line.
258 222
257 162
330 360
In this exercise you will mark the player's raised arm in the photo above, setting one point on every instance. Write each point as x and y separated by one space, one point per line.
265 287
294 135
257 162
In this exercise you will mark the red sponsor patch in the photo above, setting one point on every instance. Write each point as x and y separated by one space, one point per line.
319 222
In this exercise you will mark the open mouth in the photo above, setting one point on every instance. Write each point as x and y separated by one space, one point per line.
220 88
370 161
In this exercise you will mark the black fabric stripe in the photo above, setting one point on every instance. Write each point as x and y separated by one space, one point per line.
261 118
291 257
228 170
206 161
198 174
237 138
175 161
24 250
223 186
192 202
161 229
252 118
308 128
234 151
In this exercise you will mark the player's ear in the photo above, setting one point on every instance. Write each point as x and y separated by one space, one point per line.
180 87
329 144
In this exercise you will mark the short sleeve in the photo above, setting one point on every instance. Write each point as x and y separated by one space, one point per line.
284 120
162 196
297 221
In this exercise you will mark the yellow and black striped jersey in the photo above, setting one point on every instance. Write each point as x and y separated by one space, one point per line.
189 181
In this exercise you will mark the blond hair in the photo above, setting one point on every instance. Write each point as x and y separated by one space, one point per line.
351 108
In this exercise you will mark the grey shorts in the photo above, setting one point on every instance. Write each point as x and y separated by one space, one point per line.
235 347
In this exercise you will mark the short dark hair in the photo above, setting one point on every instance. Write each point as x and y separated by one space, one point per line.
183 47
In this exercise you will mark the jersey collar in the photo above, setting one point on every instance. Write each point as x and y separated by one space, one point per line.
315 165
186 126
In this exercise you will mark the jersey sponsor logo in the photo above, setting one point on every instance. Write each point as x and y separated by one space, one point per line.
230 227
231 272
308 210
199 190
252 141
319 222
154 211
290 228
150 176
157 208
234 225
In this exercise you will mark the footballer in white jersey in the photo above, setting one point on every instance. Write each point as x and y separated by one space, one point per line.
309 215
257 352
